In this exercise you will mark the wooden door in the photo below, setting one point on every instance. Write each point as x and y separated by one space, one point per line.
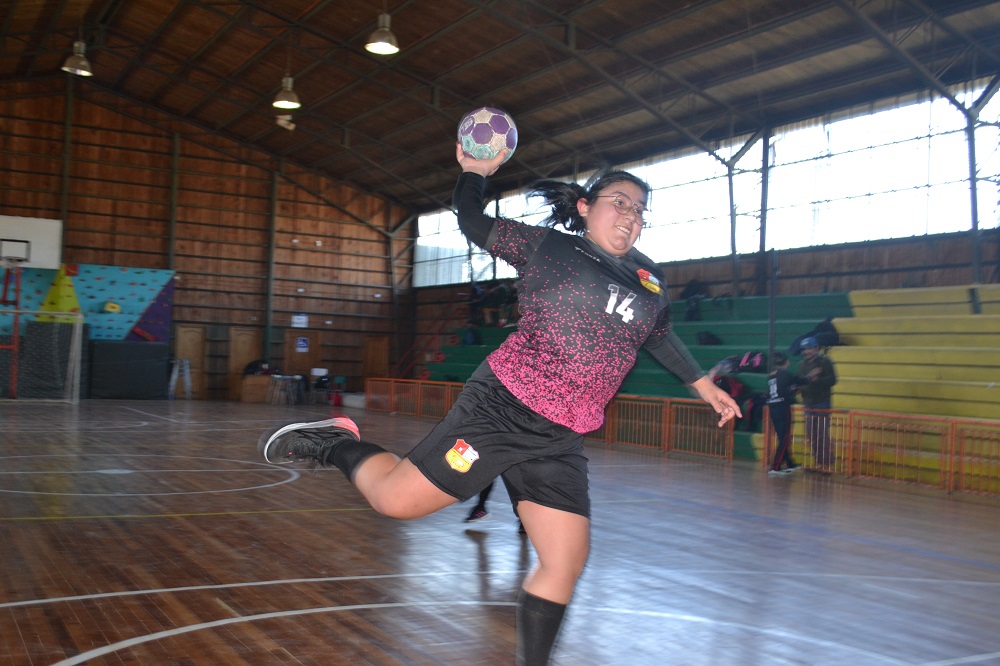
190 342
375 356
302 352
245 346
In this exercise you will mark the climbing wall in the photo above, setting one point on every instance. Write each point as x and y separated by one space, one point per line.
118 303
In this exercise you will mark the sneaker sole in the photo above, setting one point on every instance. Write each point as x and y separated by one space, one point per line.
272 435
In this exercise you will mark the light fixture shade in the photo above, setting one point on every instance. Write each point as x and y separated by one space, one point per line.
286 97
382 41
78 63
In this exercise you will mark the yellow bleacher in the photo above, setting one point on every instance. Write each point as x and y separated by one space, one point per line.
955 331
921 351
913 360
911 302
989 298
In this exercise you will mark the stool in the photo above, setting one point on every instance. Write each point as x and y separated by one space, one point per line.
314 393
283 389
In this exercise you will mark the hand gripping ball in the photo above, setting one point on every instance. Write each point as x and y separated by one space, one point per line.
485 131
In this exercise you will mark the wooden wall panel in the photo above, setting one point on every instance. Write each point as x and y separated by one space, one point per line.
123 240
130 195
212 314
31 149
239 235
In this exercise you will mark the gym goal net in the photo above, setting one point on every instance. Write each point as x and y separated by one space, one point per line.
40 355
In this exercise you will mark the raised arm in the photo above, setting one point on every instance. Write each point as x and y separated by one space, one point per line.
468 197
672 353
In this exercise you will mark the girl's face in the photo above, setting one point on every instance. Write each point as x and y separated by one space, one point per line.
614 220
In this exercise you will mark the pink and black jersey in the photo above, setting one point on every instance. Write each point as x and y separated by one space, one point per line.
584 314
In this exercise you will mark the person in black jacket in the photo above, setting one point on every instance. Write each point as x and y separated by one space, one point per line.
782 386
817 396
588 301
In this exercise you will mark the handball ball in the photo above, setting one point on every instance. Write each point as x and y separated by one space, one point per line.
485 131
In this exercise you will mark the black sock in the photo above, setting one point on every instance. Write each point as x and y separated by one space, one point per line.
349 454
538 622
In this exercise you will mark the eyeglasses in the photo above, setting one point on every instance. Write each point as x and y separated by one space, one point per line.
624 205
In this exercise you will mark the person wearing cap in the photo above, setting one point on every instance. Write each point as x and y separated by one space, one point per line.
817 400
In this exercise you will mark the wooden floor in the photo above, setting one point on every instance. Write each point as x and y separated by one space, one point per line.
150 533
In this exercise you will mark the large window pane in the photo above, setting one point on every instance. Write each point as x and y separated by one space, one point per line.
888 170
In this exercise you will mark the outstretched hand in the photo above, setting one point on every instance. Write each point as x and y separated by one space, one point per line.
721 402
482 167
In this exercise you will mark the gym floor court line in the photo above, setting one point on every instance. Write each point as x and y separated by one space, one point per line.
150 532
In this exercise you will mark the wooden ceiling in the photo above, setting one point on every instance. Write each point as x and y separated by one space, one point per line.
589 82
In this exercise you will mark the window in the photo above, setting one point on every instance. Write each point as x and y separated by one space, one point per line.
892 170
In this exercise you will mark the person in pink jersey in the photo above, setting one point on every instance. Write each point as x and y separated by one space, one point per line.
588 302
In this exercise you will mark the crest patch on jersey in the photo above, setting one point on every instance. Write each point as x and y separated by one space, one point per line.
649 281
461 456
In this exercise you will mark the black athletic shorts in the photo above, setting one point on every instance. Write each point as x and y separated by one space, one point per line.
490 433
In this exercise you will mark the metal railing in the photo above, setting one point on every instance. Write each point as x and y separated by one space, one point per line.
954 455
661 424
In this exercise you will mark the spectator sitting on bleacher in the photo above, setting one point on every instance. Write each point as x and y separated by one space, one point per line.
825 334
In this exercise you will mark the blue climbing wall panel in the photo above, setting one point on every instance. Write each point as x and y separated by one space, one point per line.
118 303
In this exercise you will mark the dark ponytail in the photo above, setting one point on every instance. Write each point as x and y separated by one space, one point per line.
562 197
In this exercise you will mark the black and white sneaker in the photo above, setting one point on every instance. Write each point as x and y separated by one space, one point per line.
306 441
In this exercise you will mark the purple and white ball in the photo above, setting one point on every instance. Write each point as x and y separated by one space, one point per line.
485 131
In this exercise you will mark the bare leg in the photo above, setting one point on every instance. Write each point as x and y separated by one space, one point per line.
562 541
396 488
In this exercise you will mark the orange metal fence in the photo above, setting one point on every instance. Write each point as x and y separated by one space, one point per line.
411 397
955 455
660 424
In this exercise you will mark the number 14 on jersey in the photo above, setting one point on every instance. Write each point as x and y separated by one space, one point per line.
622 308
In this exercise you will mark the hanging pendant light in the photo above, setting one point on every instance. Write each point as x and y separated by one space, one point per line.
286 97
382 41
78 63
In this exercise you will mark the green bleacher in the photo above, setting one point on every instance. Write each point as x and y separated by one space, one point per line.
460 361
931 351
741 324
